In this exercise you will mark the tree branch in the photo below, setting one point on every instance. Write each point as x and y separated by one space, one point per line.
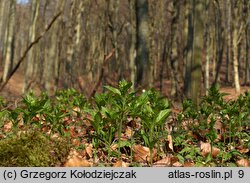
105 62
28 49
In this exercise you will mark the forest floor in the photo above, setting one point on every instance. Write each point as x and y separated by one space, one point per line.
13 90
190 140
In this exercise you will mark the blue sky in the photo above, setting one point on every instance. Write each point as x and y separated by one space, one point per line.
22 1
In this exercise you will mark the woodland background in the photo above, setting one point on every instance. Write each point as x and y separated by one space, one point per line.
181 47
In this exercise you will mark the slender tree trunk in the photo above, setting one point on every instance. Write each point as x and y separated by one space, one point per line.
132 51
236 64
113 7
207 45
246 79
143 74
228 41
59 30
197 51
235 39
173 56
219 40
246 41
10 43
193 77
32 35
163 59
189 53
52 58
68 76
4 7
78 40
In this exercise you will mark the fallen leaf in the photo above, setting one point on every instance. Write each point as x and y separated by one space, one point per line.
215 151
164 162
75 160
177 164
113 147
89 150
76 142
121 163
142 153
75 111
243 163
206 149
7 126
242 150
174 159
188 164
129 132
170 142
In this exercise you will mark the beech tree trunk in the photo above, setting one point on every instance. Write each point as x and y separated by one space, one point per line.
193 72
132 51
32 35
143 74
10 41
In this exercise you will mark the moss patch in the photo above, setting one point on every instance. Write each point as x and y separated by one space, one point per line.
33 149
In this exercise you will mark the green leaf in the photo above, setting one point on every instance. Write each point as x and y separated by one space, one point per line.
163 114
181 158
98 117
124 86
125 143
114 90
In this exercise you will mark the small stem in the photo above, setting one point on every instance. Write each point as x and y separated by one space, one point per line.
119 138
151 156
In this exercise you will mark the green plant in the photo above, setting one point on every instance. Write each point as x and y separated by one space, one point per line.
114 107
110 114
153 112
32 105
70 98
230 117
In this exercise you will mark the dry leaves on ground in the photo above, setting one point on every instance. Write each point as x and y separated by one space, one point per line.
76 160
206 149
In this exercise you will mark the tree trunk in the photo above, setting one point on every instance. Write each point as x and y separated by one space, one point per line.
113 7
236 33
246 79
10 41
246 41
193 77
197 51
59 30
32 35
4 8
173 56
189 54
143 74
207 42
228 41
219 40
132 51
236 63
52 58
